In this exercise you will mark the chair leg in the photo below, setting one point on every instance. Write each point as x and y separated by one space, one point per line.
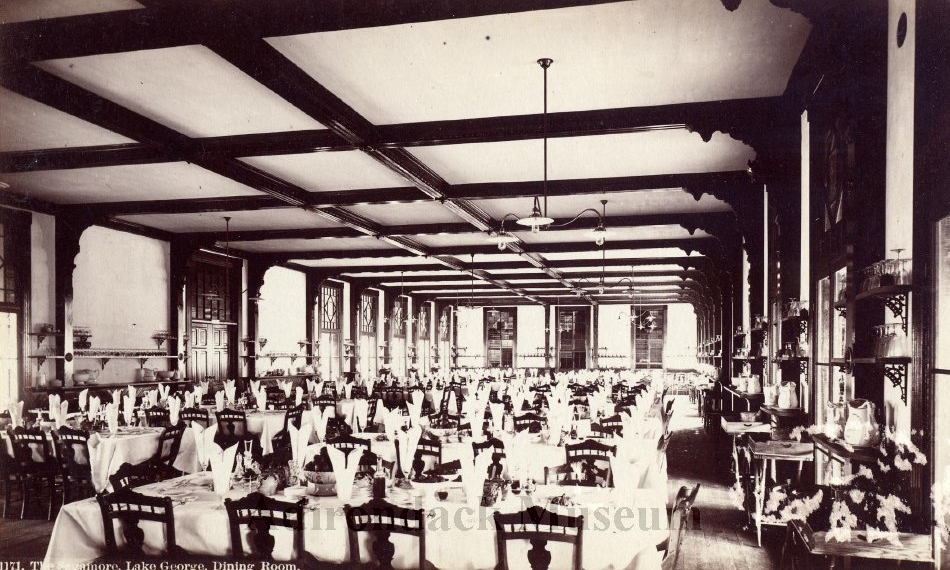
52 495
23 496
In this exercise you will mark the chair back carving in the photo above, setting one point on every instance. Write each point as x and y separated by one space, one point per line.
381 519
232 425
191 415
259 513
497 449
32 451
538 526
73 449
348 443
294 416
169 442
129 508
525 421
157 417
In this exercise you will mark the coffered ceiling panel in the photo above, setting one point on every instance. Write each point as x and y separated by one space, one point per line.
364 262
619 254
169 181
26 124
400 214
189 89
322 171
640 270
596 156
241 220
613 234
24 10
627 54
456 240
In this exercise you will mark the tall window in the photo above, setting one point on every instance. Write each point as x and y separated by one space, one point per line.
572 337
14 259
369 308
397 345
330 329
500 326
649 334
423 343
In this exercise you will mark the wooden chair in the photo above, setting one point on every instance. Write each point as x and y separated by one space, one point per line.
157 417
348 443
679 517
259 513
133 475
497 448
611 425
527 421
325 401
192 415
35 465
131 508
590 457
368 465
169 442
294 416
539 526
73 450
232 426
444 420
9 478
381 519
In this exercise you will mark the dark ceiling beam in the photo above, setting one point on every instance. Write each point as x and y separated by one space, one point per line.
460 279
694 183
716 223
706 246
699 262
188 23
579 283
84 157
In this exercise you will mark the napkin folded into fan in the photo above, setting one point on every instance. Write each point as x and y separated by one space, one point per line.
406 444
597 403
518 454
112 418
360 411
229 390
204 440
163 391
255 386
300 448
517 400
474 472
393 420
150 399
16 413
57 410
340 384
174 410
319 417
261 396
437 395
93 408
83 399
287 386
299 396
219 401
497 415
222 466
415 410
117 397
315 386
128 409
345 466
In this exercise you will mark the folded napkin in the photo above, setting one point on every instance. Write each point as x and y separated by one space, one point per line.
360 411
54 401
117 397
83 399
318 419
298 399
415 412
370 383
163 391
437 395
189 400
222 465
150 399
128 409
476 420
255 386
627 476
174 410
229 390
200 390
266 439
219 401
474 471
406 444
393 420
204 440
261 397
287 386
112 418
344 469
132 391
58 414
93 408
340 383
517 400
453 402
315 386
497 415
299 442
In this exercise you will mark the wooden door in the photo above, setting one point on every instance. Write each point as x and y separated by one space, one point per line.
210 354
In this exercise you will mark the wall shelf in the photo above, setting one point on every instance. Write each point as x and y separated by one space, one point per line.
840 450
894 298
104 355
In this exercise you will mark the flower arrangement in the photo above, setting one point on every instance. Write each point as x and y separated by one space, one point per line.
875 498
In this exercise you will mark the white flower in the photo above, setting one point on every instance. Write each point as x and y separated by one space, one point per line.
857 496
902 463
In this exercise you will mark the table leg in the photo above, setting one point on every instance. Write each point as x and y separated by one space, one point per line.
761 476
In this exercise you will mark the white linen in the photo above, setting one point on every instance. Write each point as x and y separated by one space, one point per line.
344 469
319 417
222 465
174 410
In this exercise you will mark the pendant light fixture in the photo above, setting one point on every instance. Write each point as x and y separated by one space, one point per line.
539 218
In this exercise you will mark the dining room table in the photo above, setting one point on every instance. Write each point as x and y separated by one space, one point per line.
621 530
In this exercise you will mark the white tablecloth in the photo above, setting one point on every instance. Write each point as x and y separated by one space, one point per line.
620 532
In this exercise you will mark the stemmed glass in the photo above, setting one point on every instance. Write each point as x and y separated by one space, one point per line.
901 272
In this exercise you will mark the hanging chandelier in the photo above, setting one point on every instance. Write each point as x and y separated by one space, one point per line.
642 320
539 218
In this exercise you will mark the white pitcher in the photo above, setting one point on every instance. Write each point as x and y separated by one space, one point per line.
836 419
788 395
739 383
862 427
771 394
754 384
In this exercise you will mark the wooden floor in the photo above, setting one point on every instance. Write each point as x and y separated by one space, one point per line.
718 544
